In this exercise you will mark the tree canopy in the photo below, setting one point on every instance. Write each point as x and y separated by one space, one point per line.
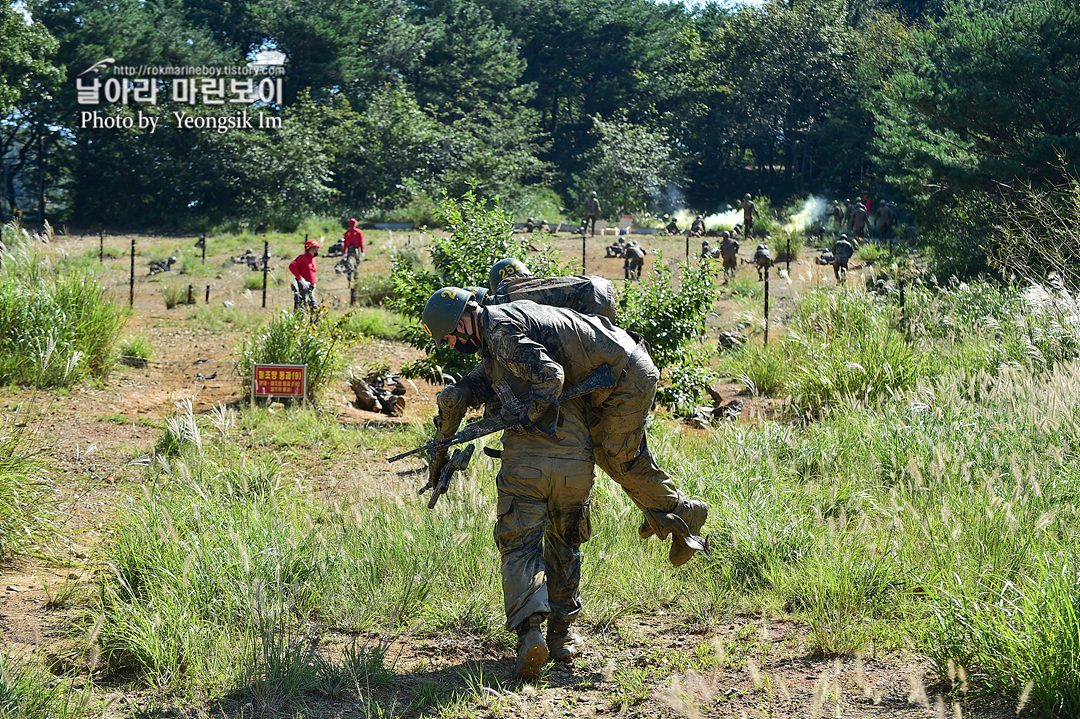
387 104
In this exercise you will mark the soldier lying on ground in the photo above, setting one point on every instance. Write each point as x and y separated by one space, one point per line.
616 249
158 266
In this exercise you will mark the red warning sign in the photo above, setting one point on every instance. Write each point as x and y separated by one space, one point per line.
280 380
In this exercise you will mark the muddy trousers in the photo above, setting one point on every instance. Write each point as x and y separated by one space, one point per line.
543 518
621 446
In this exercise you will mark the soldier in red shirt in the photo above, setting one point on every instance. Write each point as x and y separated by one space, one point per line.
354 238
303 269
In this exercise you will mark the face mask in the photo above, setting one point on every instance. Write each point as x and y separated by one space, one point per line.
467 347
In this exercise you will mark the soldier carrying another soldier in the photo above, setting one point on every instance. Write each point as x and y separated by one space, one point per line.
546 348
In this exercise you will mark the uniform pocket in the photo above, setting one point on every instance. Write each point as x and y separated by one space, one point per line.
585 525
506 503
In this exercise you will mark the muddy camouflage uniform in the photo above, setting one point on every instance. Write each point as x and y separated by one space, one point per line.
842 252
551 347
729 251
585 294
635 260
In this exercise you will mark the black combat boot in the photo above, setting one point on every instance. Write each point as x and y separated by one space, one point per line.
563 644
532 651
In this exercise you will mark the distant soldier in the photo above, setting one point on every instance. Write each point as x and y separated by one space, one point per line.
530 225
763 260
616 249
353 242
842 252
303 270
848 210
858 221
729 251
635 260
672 227
837 213
591 212
697 228
706 251
749 212
886 218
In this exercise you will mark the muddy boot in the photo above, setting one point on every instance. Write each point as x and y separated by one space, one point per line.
532 652
647 529
563 644
694 513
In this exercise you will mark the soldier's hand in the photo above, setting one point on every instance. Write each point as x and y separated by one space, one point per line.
436 462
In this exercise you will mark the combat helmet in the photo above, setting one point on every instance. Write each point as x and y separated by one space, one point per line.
481 294
746 196
503 269
443 311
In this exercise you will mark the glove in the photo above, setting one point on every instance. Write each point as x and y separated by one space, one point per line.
361 255
436 462
303 284
453 402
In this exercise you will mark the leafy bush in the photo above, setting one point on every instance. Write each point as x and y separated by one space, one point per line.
683 387
293 339
56 329
670 320
480 235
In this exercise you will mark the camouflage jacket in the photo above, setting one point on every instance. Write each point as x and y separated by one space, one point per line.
546 347
592 206
843 250
635 255
762 256
729 248
585 294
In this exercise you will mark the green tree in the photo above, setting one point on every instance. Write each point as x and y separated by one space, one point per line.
629 167
26 57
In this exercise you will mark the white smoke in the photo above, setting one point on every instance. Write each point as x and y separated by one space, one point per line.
719 221
810 214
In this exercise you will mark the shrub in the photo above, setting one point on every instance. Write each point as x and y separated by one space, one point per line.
683 388
135 350
762 369
293 339
670 320
480 235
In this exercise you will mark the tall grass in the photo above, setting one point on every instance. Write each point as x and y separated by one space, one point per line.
26 504
941 511
57 326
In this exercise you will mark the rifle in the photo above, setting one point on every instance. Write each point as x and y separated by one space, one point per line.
599 379
459 460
